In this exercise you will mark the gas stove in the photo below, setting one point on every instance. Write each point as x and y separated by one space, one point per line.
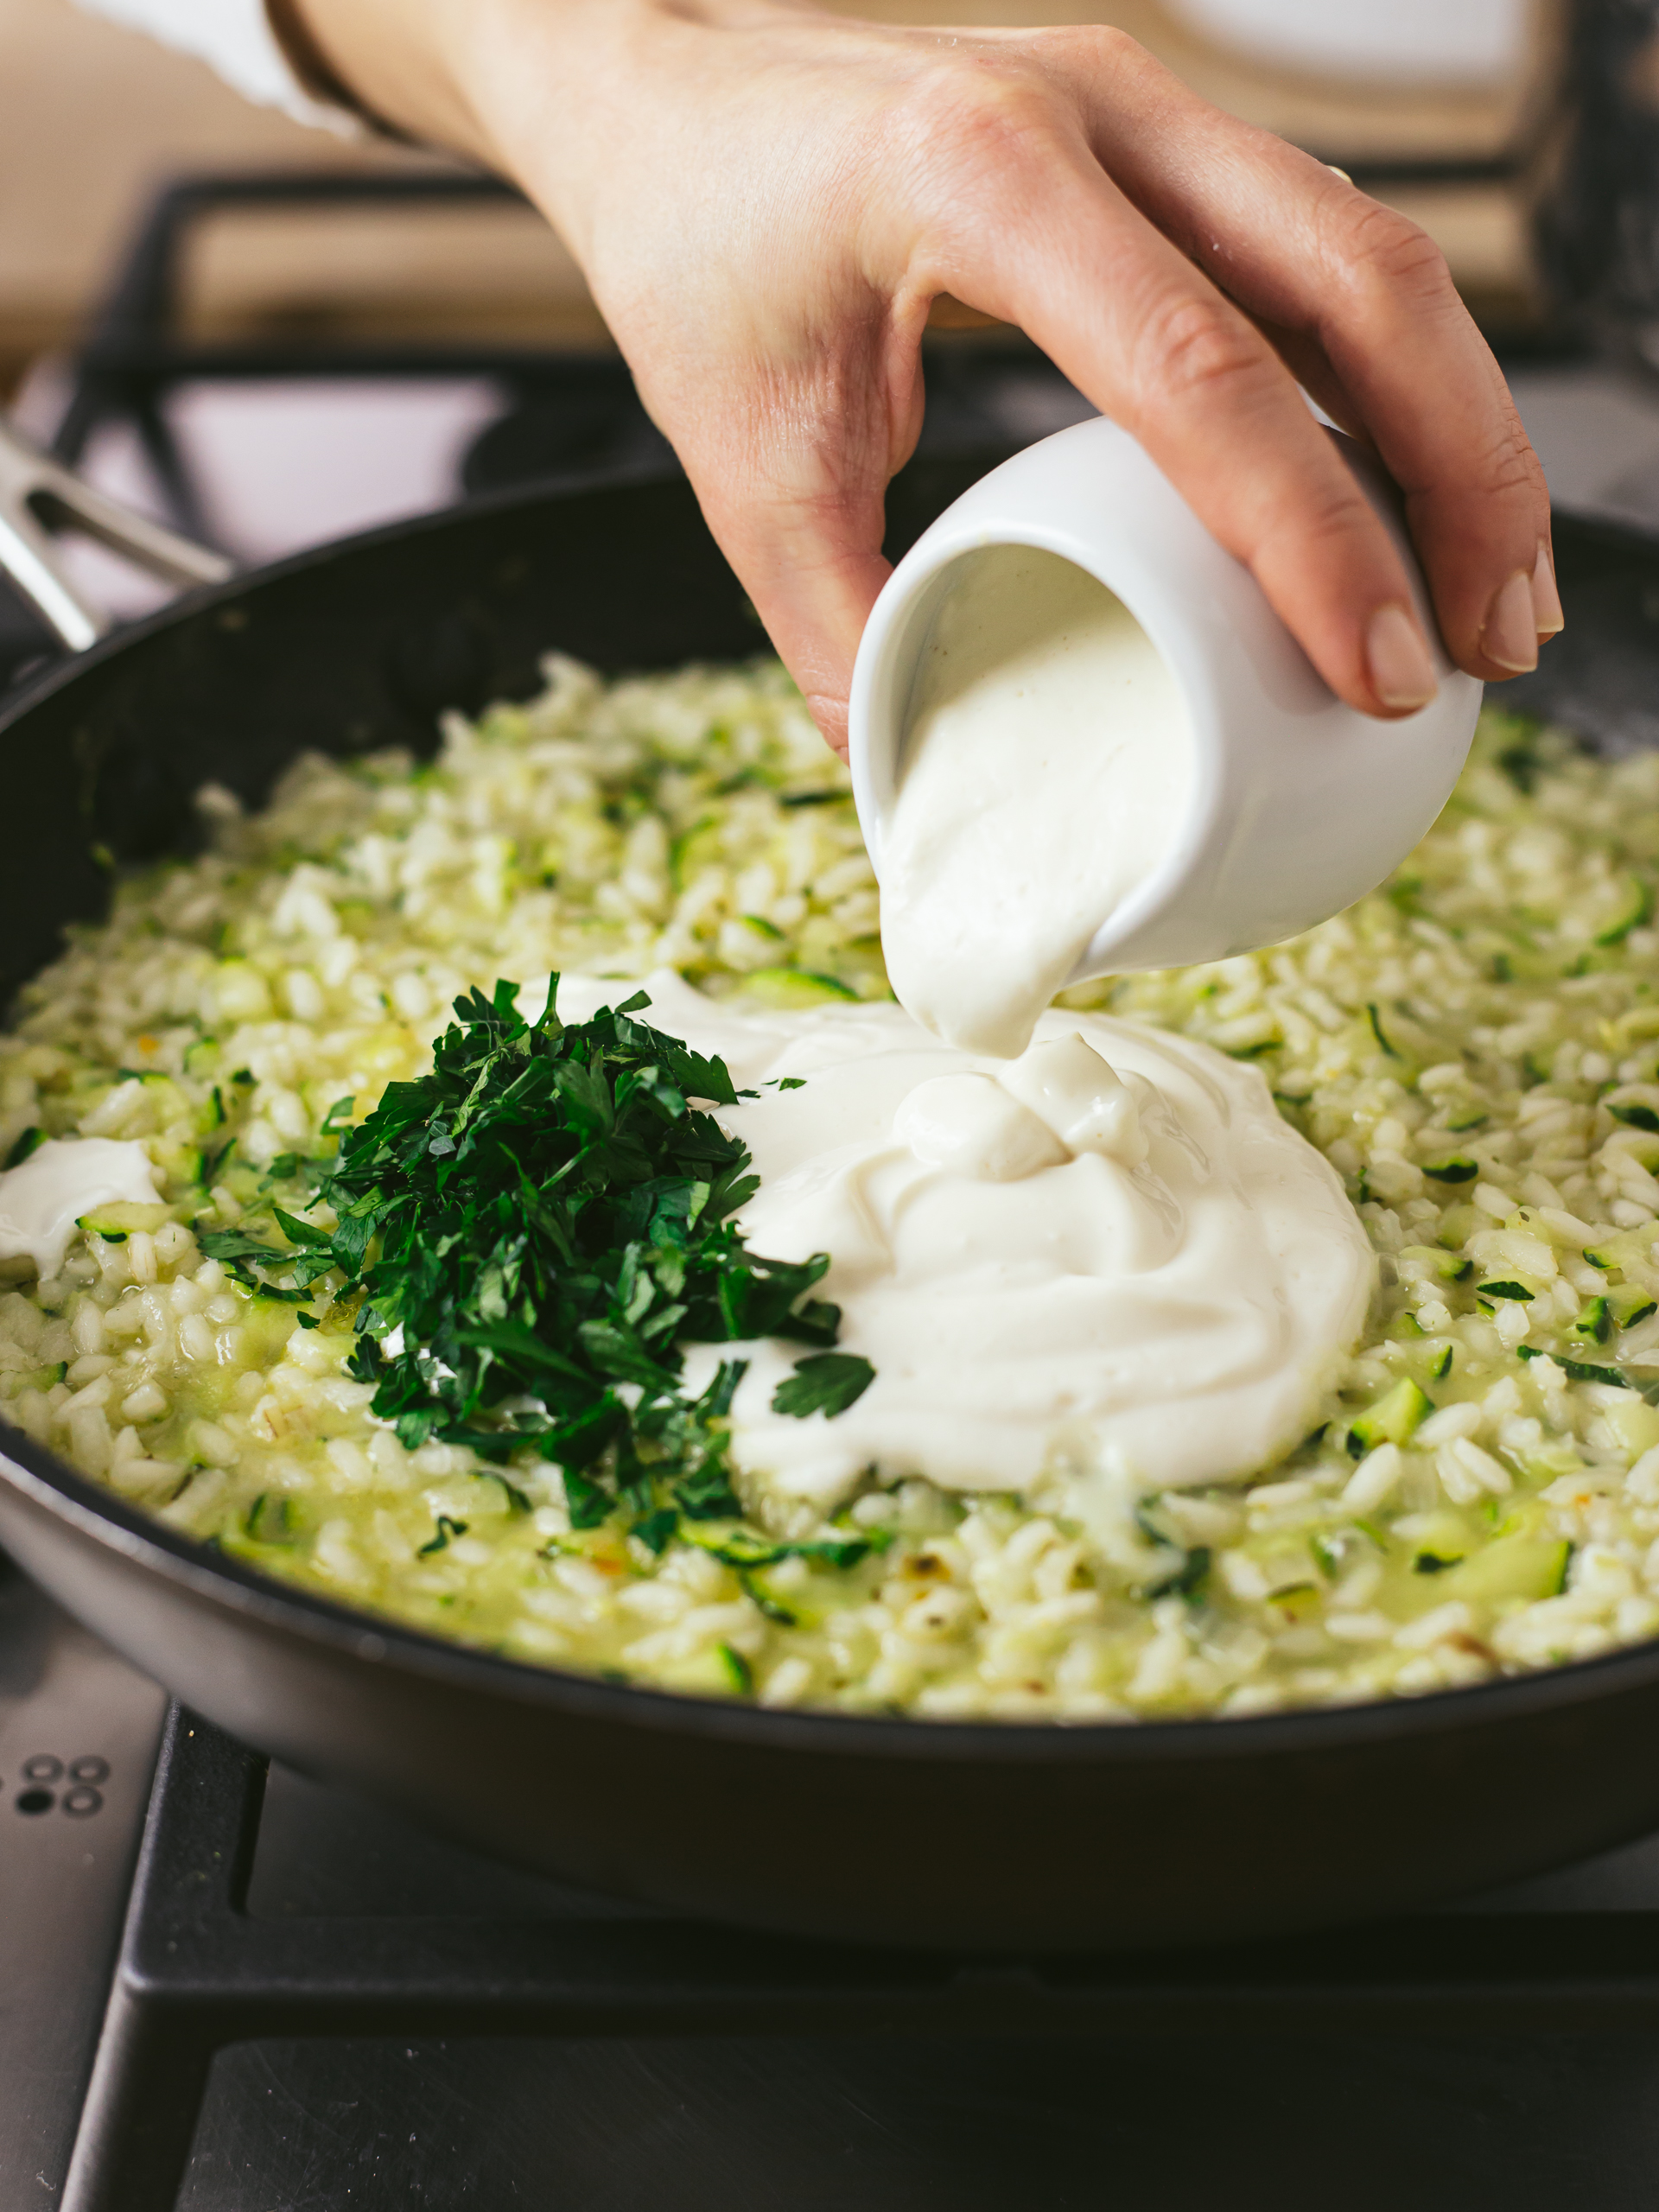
310 2006
225 1988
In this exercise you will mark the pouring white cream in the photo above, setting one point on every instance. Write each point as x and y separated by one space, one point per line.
1111 1252
1047 759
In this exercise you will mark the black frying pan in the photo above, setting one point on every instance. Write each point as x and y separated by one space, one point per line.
967 1833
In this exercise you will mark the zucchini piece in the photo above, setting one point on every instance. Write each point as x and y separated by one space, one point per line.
16 1380
1447 1267
1297 1601
773 1608
1593 1322
115 1223
1187 1579
718 1672
1333 1549
1621 1249
1635 1425
31 1138
795 987
1392 1419
1457 1169
1528 1568
1444 1533
1379 1033
1580 1370
271 1521
1458 1224
1634 1117
1635 907
1628 1304
1488 1290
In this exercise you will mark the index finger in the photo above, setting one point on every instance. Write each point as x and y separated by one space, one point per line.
1362 290
1053 245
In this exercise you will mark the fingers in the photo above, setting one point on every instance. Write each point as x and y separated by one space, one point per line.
813 567
790 468
1056 247
1362 302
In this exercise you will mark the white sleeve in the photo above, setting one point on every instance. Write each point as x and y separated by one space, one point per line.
236 38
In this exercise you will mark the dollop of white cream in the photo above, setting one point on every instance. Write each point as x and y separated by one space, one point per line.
1111 1253
43 1197
1047 761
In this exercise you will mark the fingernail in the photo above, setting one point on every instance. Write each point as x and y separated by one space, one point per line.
1546 615
1509 636
1402 674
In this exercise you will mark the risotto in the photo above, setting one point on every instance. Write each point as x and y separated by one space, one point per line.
1475 1049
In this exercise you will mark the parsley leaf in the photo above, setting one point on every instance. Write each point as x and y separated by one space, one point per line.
447 1526
241 1254
827 1383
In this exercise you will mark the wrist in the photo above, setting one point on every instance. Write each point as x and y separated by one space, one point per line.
527 87
410 66
463 74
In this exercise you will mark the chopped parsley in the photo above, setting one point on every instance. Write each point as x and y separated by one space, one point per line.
251 1262
447 1527
538 1226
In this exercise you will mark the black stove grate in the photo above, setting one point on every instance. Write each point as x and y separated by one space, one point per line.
309 1939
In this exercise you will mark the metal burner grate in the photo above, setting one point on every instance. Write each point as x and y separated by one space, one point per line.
321 1963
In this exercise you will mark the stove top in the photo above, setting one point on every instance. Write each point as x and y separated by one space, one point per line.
315 2007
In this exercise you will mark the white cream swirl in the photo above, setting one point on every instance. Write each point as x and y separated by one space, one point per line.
1112 1251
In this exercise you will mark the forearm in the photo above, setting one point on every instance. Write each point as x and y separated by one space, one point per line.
393 58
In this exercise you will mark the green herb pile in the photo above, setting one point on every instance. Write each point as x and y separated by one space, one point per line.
536 1227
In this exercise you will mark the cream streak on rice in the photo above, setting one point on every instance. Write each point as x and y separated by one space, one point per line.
1111 1252
43 1200
1047 761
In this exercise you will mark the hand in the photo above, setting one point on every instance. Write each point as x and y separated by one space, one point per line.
767 201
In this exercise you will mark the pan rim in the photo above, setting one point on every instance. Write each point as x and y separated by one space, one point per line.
48 1483
63 672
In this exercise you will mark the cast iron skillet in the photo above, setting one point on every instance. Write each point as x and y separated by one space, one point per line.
980 1835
